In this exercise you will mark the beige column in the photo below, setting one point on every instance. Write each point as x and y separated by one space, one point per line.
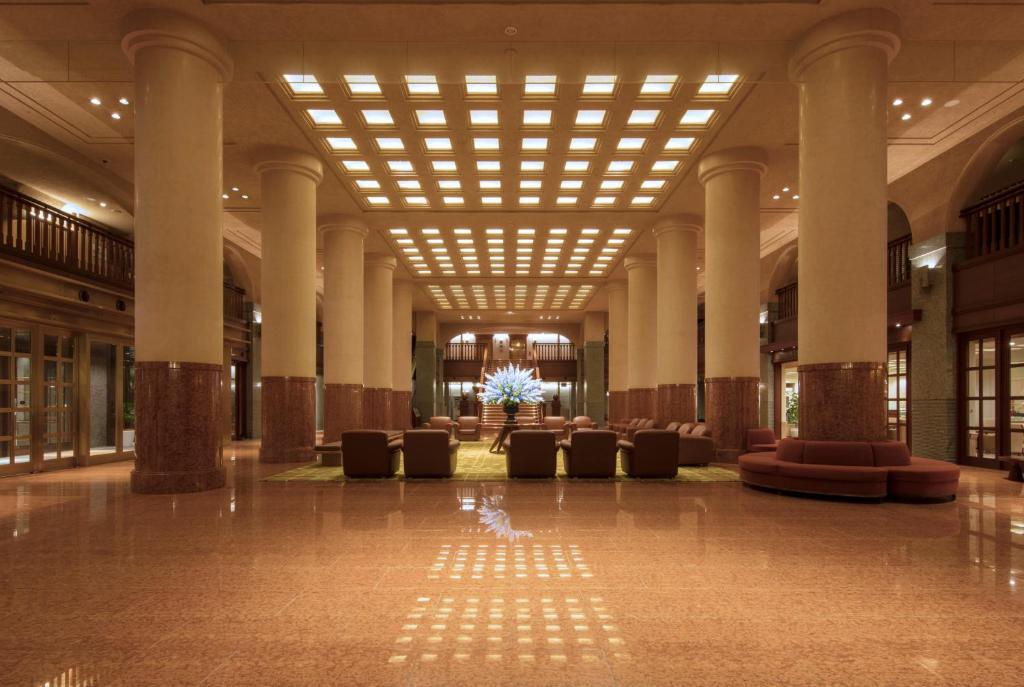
288 181
677 318
841 66
593 391
732 259
378 300
425 395
618 347
179 69
343 238
401 361
642 335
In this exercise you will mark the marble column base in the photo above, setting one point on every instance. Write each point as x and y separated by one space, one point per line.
730 409
618 405
843 401
178 427
343 409
401 409
643 403
676 403
376 408
289 419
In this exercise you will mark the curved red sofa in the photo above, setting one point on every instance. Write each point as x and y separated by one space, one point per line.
861 469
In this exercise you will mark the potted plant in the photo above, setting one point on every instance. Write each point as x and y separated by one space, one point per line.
508 387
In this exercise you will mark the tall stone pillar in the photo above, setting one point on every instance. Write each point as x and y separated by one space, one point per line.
425 392
378 301
288 181
618 359
642 335
677 318
343 238
593 366
401 362
732 263
842 241
180 69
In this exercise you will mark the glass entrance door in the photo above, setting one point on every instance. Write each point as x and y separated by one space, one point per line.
979 394
1015 357
58 402
15 399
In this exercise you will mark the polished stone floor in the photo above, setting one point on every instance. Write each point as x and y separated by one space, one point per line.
456 583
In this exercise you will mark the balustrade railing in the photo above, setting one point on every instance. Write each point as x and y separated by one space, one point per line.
45 236
549 352
462 351
996 223
787 296
234 302
899 262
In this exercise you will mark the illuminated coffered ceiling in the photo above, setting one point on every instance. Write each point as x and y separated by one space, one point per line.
538 141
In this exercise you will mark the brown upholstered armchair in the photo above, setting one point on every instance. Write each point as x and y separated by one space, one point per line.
645 423
696 447
367 453
430 453
557 424
531 453
590 453
583 422
672 426
761 439
687 427
468 428
652 453
439 422
621 425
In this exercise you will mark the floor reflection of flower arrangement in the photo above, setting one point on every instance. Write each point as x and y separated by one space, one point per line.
496 519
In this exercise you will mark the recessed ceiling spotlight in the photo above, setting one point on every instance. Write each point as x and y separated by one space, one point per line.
103 204
905 116
897 102
123 101
796 196
785 189
925 102
224 196
115 115
95 101
776 196
951 103
235 189
245 197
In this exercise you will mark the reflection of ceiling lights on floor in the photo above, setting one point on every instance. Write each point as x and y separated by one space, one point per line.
509 561
498 628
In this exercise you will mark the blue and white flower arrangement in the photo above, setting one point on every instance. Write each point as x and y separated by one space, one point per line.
510 386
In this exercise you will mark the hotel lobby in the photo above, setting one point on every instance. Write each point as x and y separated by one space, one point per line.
511 343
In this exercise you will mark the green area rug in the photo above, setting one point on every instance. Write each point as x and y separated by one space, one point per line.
476 464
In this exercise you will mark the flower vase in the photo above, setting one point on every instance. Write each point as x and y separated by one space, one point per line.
510 413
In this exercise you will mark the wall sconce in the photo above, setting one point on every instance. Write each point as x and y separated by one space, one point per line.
924 278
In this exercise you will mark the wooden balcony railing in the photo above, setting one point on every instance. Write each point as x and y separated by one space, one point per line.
234 303
39 234
549 352
899 262
787 296
465 351
995 224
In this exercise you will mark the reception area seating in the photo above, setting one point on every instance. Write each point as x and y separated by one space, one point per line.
440 422
590 453
696 447
643 423
557 424
857 469
368 453
531 453
761 439
651 453
468 428
583 422
429 453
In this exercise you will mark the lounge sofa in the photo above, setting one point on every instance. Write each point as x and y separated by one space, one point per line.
652 453
645 423
761 439
696 447
590 453
429 453
368 453
859 469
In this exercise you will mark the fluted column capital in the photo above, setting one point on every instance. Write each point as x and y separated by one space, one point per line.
873 27
159 28
288 159
678 223
746 159
328 223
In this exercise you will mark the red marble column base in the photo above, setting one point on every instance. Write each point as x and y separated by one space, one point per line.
730 409
376 408
843 401
289 419
676 403
178 427
643 402
618 405
401 409
343 409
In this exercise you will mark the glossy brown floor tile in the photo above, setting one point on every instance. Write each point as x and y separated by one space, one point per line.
553 583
